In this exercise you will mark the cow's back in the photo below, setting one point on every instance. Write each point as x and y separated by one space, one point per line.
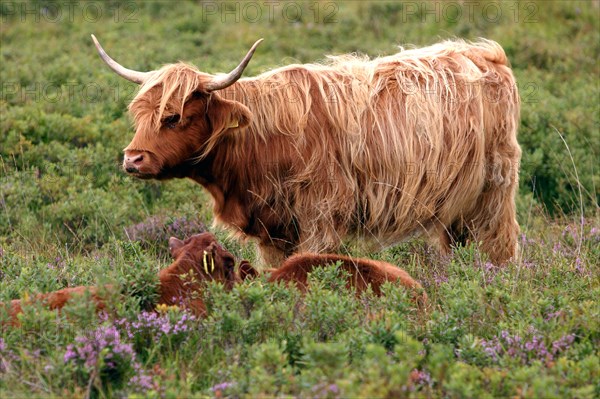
379 149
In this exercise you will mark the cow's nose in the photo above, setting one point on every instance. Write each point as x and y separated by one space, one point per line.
132 163
136 159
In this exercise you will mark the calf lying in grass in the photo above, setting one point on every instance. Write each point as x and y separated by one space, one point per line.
201 258
362 272
55 300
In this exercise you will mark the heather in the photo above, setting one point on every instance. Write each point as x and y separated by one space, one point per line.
69 216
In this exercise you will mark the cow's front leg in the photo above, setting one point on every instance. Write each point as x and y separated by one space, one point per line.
270 256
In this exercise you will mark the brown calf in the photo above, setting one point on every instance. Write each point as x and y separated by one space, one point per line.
201 258
208 260
363 272
55 300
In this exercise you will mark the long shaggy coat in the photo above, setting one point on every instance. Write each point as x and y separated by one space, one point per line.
304 156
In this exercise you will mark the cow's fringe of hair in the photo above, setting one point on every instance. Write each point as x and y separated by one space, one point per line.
178 82
421 140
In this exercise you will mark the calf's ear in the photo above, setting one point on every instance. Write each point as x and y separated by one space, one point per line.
174 244
246 270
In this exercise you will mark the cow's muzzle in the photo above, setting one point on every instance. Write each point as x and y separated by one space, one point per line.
132 163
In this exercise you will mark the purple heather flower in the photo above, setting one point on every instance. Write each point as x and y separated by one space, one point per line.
571 230
562 344
528 264
491 348
490 270
421 377
553 315
323 389
440 279
157 325
526 350
333 388
58 263
104 341
156 229
222 386
142 382
70 354
578 266
526 241
6 356
557 248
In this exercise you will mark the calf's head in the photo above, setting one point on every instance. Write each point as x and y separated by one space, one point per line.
178 115
203 255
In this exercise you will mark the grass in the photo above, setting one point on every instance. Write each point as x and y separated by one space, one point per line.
69 216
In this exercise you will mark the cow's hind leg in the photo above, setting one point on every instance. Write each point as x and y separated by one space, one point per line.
440 237
494 223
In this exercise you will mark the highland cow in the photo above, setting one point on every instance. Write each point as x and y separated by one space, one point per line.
305 156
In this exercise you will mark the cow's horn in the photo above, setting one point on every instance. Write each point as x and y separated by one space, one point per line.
134 76
223 81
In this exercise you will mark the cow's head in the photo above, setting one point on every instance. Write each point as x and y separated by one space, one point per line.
206 257
178 115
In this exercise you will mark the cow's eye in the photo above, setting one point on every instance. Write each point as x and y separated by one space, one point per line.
170 122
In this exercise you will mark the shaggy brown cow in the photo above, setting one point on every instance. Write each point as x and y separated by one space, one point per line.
201 258
303 156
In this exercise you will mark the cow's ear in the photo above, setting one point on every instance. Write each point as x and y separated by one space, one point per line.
246 270
226 114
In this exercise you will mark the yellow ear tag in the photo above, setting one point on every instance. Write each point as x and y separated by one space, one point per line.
162 308
212 264
233 124
204 263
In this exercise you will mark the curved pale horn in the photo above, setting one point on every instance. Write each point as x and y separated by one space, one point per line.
223 81
131 75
